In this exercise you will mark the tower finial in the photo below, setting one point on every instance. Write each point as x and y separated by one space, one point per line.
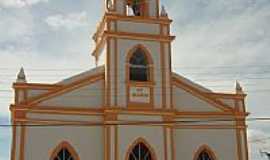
21 78
163 12
238 88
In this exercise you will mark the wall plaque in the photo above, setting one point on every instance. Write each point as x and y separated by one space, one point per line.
139 94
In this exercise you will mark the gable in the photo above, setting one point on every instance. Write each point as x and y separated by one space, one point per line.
186 102
85 90
191 97
88 96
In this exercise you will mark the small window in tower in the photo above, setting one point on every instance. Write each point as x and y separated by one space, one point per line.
136 8
138 66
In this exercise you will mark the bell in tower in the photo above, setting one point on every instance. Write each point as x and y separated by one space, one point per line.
138 7
145 8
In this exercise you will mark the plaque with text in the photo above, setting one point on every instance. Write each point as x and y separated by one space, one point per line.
139 94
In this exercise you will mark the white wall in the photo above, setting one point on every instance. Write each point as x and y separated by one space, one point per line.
222 142
153 135
133 27
89 96
184 101
41 141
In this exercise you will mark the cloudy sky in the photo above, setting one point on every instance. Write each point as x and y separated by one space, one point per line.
218 42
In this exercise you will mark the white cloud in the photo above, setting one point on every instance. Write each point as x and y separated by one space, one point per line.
17 28
38 68
19 3
258 142
255 134
69 21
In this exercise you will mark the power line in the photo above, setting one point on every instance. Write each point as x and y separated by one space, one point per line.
260 139
173 67
265 119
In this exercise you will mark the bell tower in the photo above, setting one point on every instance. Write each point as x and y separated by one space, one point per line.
144 8
135 42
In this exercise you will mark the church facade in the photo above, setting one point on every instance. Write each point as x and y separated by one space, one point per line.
132 106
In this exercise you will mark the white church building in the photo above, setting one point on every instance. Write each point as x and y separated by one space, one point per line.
132 106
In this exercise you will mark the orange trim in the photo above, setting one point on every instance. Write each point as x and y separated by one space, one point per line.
194 91
137 141
239 141
109 118
209 114
14 135
143 84
171 79
116 17
56 110
152 20
64 89
16 97
163 74
245 133
22 143
140 36
105 142
246 144
109 123
116 142
227 95
141 111
172 143
209 127
207 149
165 143
35 86
67 146
119 110
108 142
116 74
239 145
108 74
116 69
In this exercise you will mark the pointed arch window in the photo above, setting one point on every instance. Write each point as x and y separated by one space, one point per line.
64 154
140 152
139 66
205 153
204 156
64 151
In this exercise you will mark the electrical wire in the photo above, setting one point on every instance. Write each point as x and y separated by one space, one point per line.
264 119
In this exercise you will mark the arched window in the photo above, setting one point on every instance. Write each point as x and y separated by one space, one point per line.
138 66
64 154
64 151
204 153
204 156
140 152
